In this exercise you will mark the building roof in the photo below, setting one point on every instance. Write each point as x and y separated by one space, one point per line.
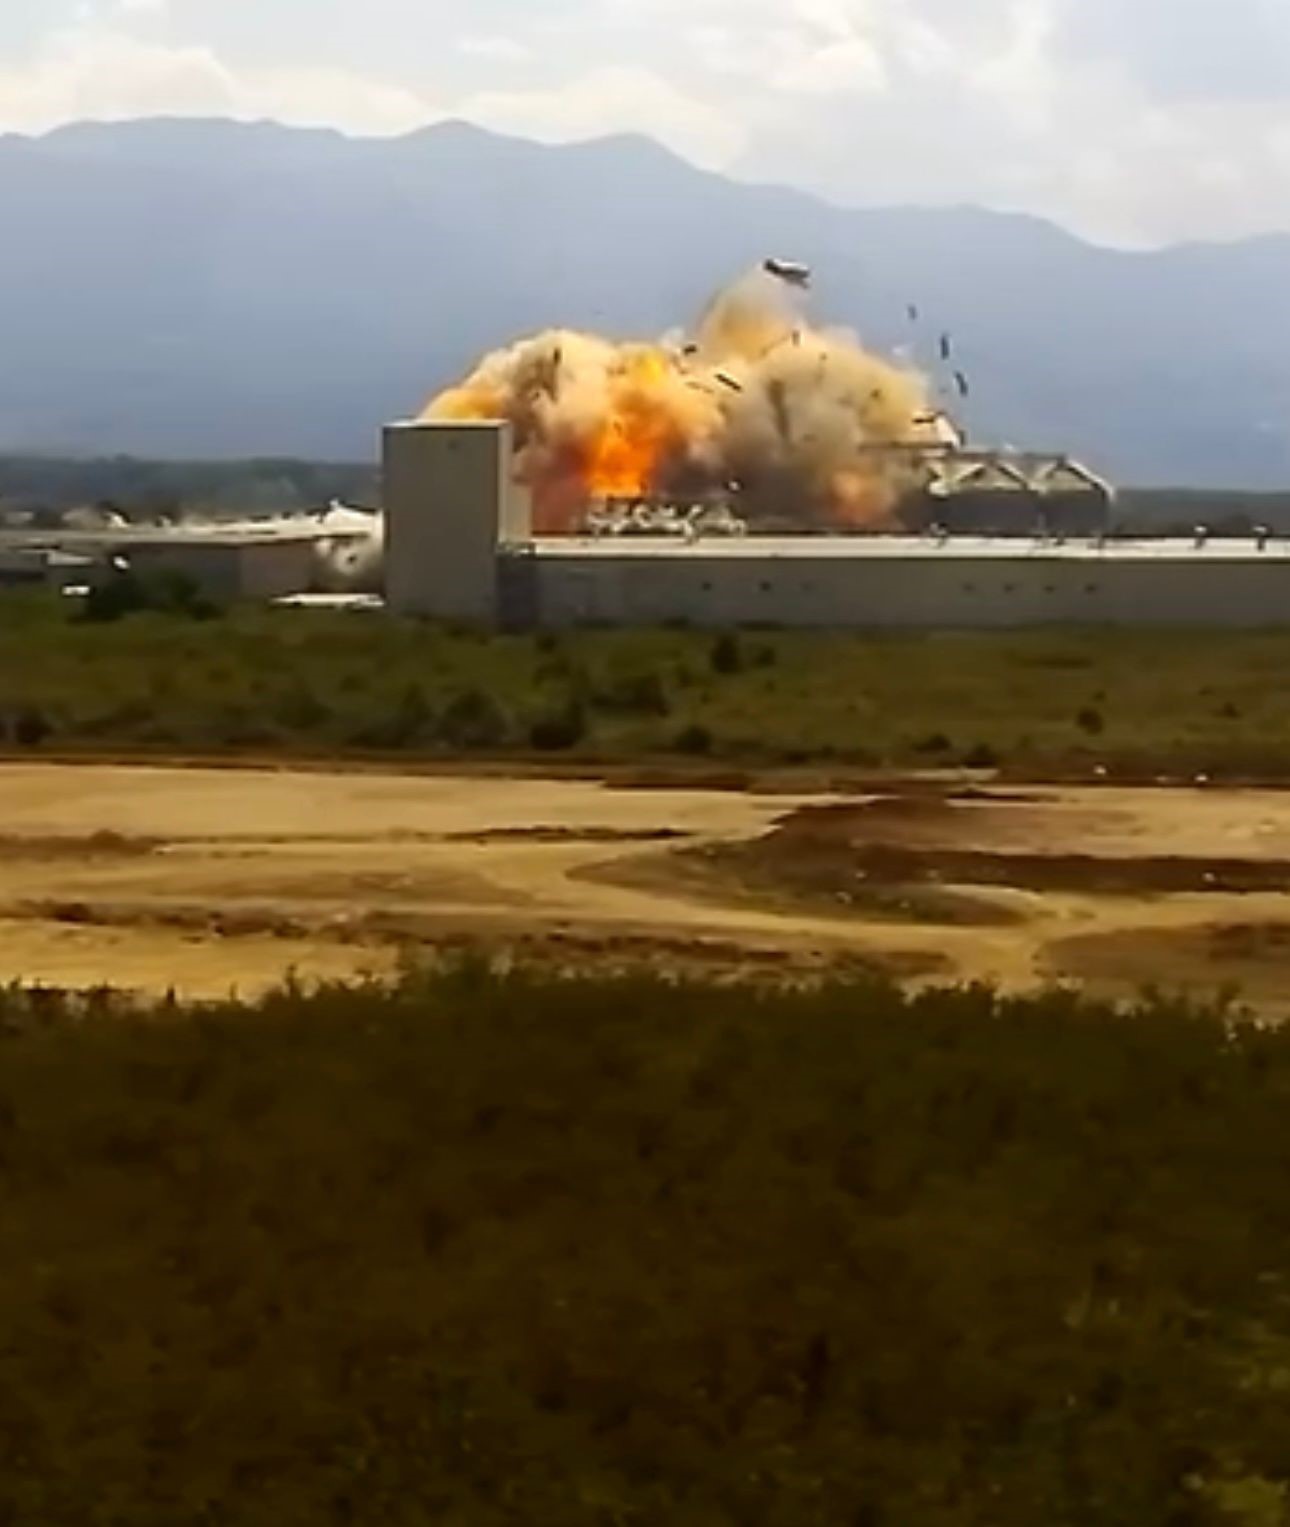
147 537
909 548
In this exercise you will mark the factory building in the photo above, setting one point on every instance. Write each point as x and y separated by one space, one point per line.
43 569
251 561
460 547
990 493
231 568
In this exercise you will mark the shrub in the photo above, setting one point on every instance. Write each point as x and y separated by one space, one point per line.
982 756
727 655
473 719
300 710
429 1254
694 739
31 727
164 593
938 742
561 730
638 694
1091 721
128 717
408 722
555 670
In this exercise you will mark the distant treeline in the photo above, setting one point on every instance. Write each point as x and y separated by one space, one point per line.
133 486
138 487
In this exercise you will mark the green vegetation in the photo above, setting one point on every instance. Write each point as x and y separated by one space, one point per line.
166 593
1135 704
482 1249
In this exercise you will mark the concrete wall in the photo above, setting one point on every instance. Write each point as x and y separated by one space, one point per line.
448 503
458 546
917 591
265 569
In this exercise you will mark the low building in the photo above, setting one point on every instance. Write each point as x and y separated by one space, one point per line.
230 568
39 568
460 547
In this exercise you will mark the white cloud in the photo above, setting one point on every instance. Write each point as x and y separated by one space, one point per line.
848 64
1132 120
494 47
87 72
96 72
991 102
612 100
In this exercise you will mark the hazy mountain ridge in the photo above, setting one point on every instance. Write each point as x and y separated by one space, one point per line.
209 288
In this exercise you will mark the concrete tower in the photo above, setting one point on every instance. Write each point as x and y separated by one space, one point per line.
449 503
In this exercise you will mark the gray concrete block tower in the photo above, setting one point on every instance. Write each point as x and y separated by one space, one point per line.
449 503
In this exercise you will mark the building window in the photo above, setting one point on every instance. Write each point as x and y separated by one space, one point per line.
706 587
969 588
765 588
1010 588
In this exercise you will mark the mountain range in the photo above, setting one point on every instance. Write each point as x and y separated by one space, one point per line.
208 288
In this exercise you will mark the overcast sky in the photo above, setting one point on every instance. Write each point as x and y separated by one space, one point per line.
1132 121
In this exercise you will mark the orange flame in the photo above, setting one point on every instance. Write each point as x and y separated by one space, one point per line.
622 457
862 500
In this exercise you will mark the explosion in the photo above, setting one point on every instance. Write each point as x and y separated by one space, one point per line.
757 403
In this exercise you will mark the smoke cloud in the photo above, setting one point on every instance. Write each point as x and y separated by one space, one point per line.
756 404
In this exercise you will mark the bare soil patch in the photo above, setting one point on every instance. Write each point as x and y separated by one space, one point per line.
753 875
96 845
205 880
554 835
1249 961
833 848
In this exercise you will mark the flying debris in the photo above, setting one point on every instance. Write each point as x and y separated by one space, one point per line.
912 310
553 375
727 380
788 270
963 385
947 347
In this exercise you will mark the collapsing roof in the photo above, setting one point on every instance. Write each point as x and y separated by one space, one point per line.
959 472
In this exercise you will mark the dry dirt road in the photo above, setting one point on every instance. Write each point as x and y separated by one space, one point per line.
207 881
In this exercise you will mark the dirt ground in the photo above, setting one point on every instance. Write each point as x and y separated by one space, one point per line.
207 881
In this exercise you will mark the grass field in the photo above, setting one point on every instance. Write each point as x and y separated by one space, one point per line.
481 1250
326 683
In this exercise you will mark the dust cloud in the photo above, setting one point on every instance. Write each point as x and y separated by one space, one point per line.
756 405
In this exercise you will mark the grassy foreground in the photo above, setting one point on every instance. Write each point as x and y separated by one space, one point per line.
483 1250
1136 703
